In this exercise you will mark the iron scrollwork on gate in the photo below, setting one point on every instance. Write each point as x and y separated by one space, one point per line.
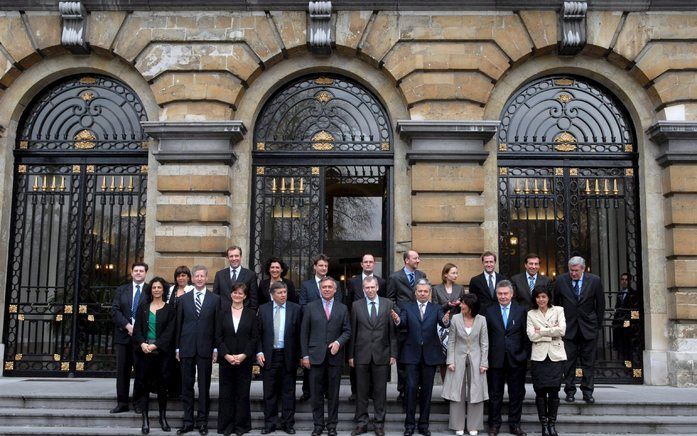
78 223
567 186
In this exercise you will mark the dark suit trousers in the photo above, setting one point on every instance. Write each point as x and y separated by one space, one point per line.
204 367
514 377
364 374
278 383
234 415
325 378
419 376
583 350
124 365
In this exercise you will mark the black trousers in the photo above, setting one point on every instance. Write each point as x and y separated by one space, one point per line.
124 366
514 378
371 378
190 367
279 383
580 353
419 385
325 378
234 415
151 375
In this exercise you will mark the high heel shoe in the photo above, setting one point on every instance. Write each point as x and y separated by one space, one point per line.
146 423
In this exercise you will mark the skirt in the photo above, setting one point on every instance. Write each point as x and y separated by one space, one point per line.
547 374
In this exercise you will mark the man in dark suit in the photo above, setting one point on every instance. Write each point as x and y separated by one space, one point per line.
372 349
484 284
526 282
354 292
400 289
224 279
421 354
508 355
626 330
582 297
278 356
197 318
123 312
324 333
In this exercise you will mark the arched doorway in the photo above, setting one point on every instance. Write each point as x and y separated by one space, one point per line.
322 176
78 223
568 186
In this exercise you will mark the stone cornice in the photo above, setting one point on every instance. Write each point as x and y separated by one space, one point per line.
677 141
205 141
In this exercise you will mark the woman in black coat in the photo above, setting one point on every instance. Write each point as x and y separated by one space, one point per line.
277 270
152 335
237 337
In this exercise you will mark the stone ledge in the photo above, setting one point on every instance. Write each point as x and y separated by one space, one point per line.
205 141
443 141
677 141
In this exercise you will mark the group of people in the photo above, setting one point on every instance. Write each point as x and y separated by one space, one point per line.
479 340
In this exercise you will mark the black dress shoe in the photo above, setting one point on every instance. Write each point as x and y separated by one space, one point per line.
120 408
317 431
517 431
331 432
203 429
289 430
137 409
425 432
569 397
304 397
493 431
267 430
185 429
589 399
408 432
379 431
359 430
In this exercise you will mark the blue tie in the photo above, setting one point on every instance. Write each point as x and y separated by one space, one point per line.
411 279
136 299
504 313
577 290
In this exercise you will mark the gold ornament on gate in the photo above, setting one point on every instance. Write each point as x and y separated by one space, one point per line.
84 140
323 141
565 142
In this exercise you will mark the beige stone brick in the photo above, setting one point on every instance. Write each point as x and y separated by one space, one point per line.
136 33
446 110
165 265
102 27
681 241
193 183
601 28
8 73
409 56
350 27
542 26
455 85
193 213
682 305
447 177
661 56
196 111
14 38
173 86
191 244
46 30
447 239
680 179
383 33
681 273
641 27
676 86
680 209
257 31
467 267
292 27
446 207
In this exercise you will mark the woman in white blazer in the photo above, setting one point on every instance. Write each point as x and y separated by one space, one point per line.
546 327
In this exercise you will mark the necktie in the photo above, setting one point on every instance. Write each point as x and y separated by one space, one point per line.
504 313
233 278
373 312
411 279
276 325
327 310
531 283
422 309
136 300
199 303
577 290
492 291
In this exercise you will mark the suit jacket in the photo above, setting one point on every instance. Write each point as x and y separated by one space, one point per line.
441 296
291 336
624 307
264 291
548 341
354 289
310 292
398 288
196 336
521 287
510 342
422 344
165 322
584 315
480 288
372 342
242 341
222 285
121 311
316 332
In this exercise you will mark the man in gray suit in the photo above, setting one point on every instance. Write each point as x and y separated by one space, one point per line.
324 332
526 282
372 350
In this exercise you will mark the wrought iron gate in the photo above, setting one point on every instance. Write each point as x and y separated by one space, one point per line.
78 222
567 186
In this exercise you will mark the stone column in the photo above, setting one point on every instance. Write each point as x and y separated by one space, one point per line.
447 182
193 180
678 157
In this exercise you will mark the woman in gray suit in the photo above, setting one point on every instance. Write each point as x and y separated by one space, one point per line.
468 359
447 295
545 328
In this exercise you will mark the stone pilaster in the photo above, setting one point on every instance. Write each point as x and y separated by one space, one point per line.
194 206
678 156
447 180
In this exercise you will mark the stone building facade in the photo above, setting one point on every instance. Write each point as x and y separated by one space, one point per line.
444 75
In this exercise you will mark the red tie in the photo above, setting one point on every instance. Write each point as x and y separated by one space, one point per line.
326 309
